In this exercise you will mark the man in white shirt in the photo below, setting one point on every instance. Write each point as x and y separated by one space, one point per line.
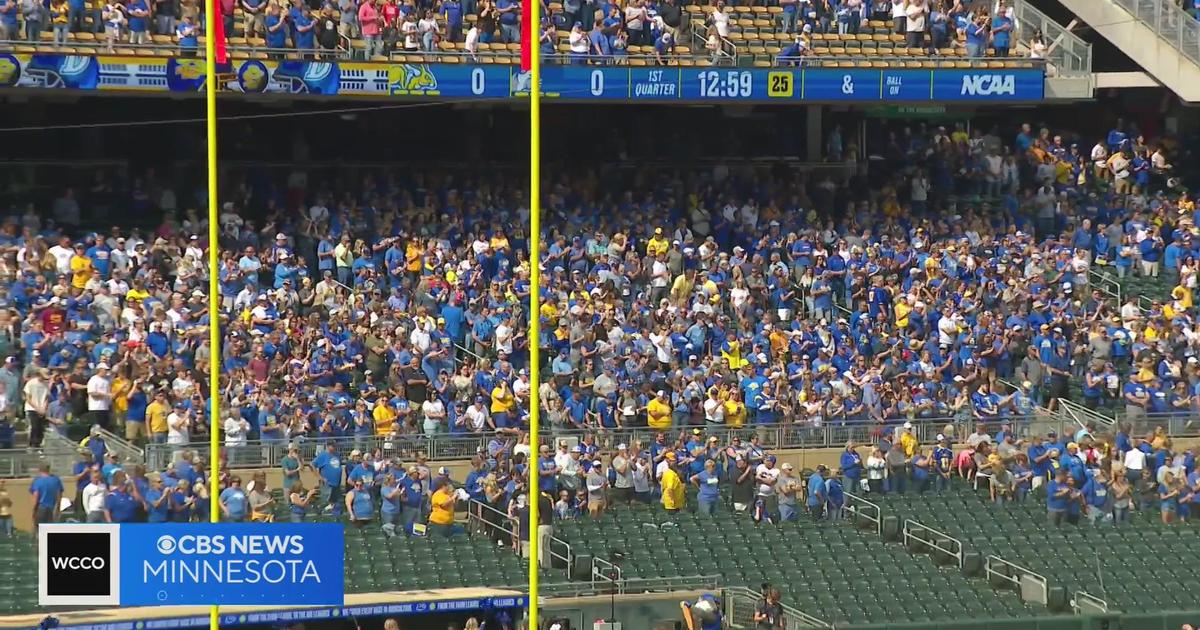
62 254
236 430
178 424
472 43
915 23
93 498
1135 461
504 336
660 278
1100 159
435 415
37 402
476 415
570 471
714 408
766 474
99 396
520 386
899 18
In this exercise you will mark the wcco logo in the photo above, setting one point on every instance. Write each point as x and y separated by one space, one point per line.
75 563
989 85
78 565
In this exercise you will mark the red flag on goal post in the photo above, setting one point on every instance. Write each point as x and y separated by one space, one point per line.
218 31
528 41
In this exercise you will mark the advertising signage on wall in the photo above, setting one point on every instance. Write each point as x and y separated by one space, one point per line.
501 82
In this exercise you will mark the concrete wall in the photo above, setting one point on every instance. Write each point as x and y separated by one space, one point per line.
18 489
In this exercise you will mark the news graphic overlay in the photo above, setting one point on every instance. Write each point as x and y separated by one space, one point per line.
79 565
172 564
232 564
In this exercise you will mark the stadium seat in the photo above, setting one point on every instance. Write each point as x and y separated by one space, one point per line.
874 586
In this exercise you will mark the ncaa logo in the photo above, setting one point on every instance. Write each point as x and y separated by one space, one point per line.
78 565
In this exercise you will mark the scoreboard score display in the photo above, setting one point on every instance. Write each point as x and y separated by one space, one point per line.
474 82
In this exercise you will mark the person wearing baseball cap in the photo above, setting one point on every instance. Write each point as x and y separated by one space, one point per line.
788 486
622 466
99 397
671 486
817 493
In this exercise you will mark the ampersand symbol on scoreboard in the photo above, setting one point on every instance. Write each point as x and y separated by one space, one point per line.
847 84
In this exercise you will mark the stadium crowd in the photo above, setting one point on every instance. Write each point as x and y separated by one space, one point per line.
400 310
585 31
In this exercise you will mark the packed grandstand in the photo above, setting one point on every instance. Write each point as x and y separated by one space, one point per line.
942 368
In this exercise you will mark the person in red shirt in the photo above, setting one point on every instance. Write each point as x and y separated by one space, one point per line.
391 28
53 317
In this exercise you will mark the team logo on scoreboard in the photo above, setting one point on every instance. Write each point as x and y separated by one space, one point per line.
10 71
60 71
416 79
306 77
253 77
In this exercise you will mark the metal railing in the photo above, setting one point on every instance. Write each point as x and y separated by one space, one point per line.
1066 53
1082 415
948 544
1031 586
478 523
787 435
125 451
911 61
1087 604
1175 424
1169 21
740 603
631 585
504 56
726 55
1106 285
21 462
607 573
865 510
248 51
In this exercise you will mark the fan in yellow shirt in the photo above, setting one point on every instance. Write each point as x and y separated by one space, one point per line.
672 486
412 256
683 286
902 309
384 417
731 351
156 415
658 412
136 294
735 412
908 441
441 515
81 268
549 311
657 245
503 400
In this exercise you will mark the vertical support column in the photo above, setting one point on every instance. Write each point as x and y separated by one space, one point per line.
813 136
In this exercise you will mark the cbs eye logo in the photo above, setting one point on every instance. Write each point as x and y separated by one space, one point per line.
78 565
166 545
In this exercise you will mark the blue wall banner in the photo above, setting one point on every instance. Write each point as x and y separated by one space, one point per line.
987 85
169 564
232 563
274 617
497 81
907 85
841 85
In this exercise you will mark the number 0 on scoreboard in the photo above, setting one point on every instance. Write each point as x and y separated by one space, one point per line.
779 84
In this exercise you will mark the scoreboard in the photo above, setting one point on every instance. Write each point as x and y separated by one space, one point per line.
466 82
